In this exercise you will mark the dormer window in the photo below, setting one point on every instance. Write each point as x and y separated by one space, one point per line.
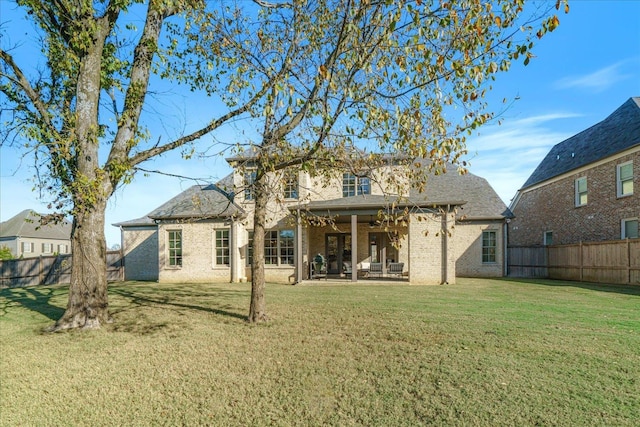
249 179
290 183
355 185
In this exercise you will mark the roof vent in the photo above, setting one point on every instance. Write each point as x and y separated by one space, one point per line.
558 157
573 155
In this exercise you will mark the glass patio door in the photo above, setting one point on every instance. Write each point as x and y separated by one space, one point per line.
338 251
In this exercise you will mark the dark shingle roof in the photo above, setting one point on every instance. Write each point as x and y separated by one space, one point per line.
481 200
27 224
616 133
475 197
198 201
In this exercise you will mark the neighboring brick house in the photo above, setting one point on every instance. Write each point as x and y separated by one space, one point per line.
204 234
586 189
26 237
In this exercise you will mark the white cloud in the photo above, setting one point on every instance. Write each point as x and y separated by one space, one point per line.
506 155
597 81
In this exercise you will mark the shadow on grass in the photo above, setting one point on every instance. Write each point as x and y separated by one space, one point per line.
34 299
142 300
600 287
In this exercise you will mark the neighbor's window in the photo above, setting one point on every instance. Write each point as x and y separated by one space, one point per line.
548 238
249 247
625 179
630 228
355 185
489 245
47 248
222 247
62 249
175 248
291 185
286 247
27 247
581 191
249 180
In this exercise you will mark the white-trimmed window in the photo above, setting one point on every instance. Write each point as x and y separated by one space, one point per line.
290 183
174 238
629 228
62 249
286 247
548 238
249 247
489 246
279 247
222 247
27 247
249 180
581 191
47 248
624 179
355 185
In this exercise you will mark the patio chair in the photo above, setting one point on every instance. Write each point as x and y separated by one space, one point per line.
395 268
375 269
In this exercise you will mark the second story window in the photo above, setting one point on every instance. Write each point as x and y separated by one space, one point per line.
355 185
249 179
290 183
625 179
581 191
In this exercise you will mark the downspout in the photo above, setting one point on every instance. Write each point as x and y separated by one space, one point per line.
505 248
299 259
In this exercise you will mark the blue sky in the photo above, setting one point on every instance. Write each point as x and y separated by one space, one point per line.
582 72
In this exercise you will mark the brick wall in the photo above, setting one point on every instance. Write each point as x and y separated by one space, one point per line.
551 207
467 249
140 245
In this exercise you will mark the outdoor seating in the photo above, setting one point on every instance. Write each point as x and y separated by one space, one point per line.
395 268
375 269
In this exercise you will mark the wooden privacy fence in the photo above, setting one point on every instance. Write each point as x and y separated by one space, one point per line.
51 270
616 261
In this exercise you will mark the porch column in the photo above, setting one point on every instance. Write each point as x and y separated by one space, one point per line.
299 260
234 252
354 248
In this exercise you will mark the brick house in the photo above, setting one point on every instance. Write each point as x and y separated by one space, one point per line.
204 234
586 188
26 237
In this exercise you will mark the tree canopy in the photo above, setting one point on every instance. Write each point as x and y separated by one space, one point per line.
314 79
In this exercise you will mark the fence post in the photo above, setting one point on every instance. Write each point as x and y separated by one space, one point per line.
580 257
628 260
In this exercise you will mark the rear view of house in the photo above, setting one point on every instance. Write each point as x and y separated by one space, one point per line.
454 227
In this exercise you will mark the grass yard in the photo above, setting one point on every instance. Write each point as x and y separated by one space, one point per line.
481 352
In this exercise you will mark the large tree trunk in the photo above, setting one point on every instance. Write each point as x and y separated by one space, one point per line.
258 307
88 301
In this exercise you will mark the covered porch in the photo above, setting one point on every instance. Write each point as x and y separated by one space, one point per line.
355 246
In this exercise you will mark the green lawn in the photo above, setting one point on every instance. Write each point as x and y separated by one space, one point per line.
481 352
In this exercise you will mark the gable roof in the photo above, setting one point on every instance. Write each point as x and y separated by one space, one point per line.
480 199
616 133
27 224
198 201
473 195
